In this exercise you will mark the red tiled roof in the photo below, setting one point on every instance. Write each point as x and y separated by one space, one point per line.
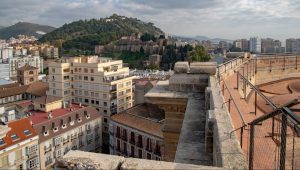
24 103
38 117
140 117
27 67
143 82
36 89
41 122
18 127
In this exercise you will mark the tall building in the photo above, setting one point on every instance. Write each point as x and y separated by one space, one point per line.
19 145
17 62
64 127
293 45
255 45
137 132
99 82
267 45
7 53
243 44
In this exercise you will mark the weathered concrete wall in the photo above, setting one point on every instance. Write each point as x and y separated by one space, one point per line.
81 160
227 152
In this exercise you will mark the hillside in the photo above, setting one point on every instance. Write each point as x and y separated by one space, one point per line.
24 28
81 36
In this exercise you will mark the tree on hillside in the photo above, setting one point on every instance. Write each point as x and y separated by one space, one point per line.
199 54
148 37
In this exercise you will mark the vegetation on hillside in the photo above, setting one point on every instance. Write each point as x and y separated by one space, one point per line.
81 36
133 59
24 28
199 53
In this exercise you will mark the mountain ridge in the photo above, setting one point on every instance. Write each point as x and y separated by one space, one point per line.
25 28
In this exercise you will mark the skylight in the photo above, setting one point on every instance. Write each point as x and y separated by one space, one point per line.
27 132
2 142
14 137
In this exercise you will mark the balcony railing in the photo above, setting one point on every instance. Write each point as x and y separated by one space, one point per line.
132 141
124 137
65 140
140 144
74 136
48 149
48 162
149 148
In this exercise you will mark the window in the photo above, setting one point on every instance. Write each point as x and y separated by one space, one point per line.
92 78
118 145
57 141
76 69
79 69
92 70
149 156
66 77
14 137
86 100
93 101
58 153
27 132
105 103
105 111
140 153
53 70
97 102
132 151
33 163
32 149
86 78
86 70
105 120
54 91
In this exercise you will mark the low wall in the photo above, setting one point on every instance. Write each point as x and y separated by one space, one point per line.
227 152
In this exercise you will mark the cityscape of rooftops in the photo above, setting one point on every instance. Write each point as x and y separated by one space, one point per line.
111 84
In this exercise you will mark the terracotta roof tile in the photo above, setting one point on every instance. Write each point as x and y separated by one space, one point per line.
38 88
18 127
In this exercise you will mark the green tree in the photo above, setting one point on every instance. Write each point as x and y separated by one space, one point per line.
200 54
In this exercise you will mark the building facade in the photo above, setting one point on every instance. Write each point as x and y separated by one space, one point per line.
27 74
17 62
64 127
99 82
255 45
19 145
293 45
137 133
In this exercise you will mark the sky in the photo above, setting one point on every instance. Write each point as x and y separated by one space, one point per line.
230 19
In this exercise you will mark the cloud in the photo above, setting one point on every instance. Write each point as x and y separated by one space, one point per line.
214 18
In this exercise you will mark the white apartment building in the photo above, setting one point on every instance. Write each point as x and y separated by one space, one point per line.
4 71
7 53
99 82
255 45
19 145
17 62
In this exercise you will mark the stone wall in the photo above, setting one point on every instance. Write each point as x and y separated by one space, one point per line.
86 160
227 152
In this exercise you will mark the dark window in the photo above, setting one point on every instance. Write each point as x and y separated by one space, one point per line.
148 156
86 100
132 151
140 153
105 120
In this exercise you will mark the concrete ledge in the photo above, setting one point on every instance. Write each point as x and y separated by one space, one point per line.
87 160
203 68
182 67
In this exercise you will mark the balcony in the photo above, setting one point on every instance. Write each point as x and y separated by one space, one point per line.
113 97
124 138
132 141
47 149
66 140
48 162
73 136
140 144
157 151
149 148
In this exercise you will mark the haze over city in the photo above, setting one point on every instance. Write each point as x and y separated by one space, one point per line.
230 19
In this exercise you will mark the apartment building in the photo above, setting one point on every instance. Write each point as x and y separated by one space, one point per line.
64 127
255 44
49 51
137 132
27 74
99 82
17 62
18 145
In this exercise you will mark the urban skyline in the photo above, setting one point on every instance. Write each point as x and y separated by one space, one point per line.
217 18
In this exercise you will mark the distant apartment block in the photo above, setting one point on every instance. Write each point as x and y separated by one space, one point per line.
64 127
49 52
17 62
255 45
137 132
19 145
293 45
